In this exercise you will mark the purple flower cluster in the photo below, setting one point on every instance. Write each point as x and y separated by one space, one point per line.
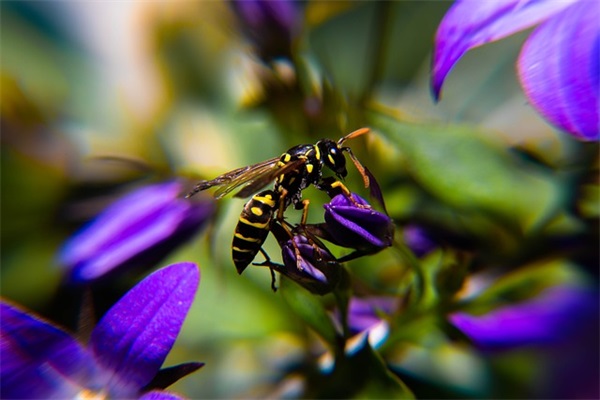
350 222
126 349
130 343
559 65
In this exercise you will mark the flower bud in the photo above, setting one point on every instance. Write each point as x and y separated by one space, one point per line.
310 265
270 25
356 225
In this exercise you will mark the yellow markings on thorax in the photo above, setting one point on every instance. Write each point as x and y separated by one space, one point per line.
287 157
309 168
317 153
259 225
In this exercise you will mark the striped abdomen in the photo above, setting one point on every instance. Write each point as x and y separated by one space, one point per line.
253 227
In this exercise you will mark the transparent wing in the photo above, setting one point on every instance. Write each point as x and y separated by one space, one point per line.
260 181
236 178
251 178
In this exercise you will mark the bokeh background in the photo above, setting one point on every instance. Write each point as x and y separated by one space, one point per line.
100 98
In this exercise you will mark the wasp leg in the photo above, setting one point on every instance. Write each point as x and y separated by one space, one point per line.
281 209
305 204
288 227
271 265
337 187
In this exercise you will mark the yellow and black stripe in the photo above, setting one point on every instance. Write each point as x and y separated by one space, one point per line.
253 227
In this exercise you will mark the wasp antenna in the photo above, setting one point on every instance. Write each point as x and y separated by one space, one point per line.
198 188
358 166
190 194
352 135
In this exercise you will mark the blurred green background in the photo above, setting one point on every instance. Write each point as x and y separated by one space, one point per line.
175 89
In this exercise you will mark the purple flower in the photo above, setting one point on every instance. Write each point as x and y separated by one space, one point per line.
563 322
418 240
546 319
271 25
309 264
366 313
367 320
139 229
126 349
356 225
559 65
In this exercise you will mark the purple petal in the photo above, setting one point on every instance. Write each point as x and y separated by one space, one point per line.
136 334
160 395
547 319
418 240
559 68
271 25
472 23
355 227
140 223
39 360
364 313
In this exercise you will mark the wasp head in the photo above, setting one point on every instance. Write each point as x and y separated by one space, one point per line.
333 157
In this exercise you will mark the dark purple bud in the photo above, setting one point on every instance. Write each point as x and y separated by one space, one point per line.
138 230
356 225
310 265
418 240
270 25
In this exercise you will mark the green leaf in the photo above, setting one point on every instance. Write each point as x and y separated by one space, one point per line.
469 172
310 309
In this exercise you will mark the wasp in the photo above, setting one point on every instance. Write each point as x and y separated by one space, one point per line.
292 172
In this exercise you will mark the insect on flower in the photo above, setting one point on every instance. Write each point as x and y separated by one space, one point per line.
292 172
306 260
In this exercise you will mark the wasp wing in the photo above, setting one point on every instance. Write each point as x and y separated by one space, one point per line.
234 179
260 181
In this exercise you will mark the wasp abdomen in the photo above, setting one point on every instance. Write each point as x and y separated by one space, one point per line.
253 227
